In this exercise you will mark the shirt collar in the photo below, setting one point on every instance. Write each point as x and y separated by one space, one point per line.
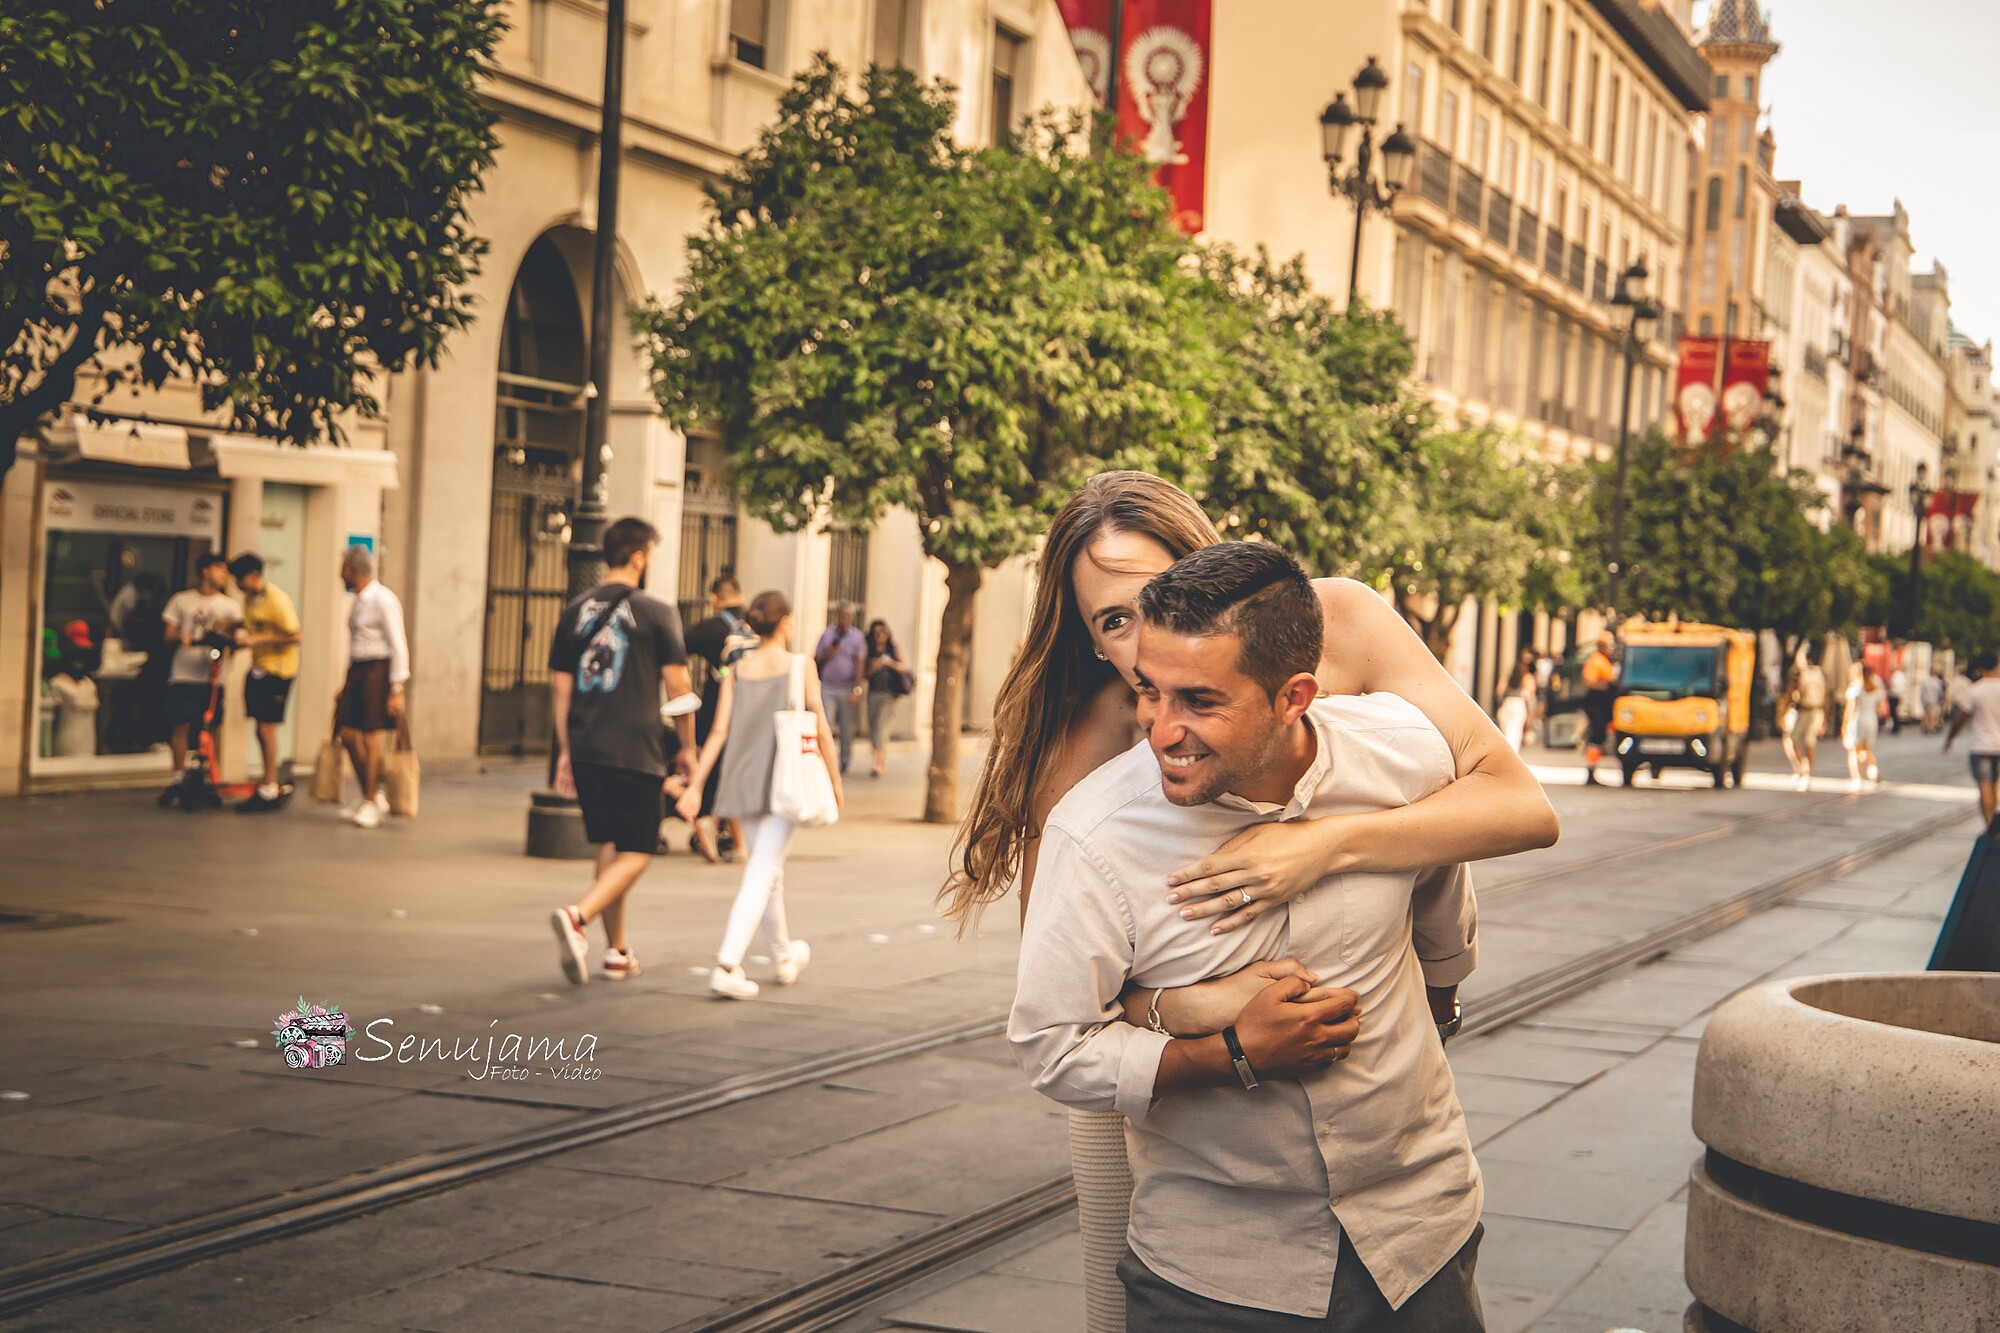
1308 784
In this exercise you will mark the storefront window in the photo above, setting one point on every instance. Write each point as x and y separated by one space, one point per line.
112 556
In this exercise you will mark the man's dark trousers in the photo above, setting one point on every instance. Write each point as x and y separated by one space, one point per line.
1448 1303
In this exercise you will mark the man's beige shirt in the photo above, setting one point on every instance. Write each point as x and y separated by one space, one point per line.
1240 1195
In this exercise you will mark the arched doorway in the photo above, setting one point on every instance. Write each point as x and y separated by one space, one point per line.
537 452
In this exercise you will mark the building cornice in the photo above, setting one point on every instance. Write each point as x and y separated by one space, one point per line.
1659 42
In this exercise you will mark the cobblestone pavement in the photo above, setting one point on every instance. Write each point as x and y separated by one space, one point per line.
139 995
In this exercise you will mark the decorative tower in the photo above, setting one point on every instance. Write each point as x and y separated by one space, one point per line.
1733 190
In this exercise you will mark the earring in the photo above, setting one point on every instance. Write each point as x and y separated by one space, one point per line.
1101 657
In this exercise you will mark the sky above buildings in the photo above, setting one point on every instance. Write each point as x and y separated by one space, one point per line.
1871 102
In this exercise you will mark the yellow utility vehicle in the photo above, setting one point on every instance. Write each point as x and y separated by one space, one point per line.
1684 699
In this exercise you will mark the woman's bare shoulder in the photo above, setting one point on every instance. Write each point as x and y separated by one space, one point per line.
1101 732
1361 627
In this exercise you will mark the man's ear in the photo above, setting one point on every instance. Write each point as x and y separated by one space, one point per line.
1295 696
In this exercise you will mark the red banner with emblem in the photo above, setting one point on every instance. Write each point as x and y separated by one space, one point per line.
1162 78
1694 389
1744 378
1948 520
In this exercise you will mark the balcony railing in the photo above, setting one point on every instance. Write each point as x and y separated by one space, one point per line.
1815 363
1552 251
1499 216
1600 282
1527 235
1437 367
1576 265
1469 197
1434 174
1556 414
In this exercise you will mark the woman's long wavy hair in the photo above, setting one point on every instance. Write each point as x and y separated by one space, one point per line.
1054 679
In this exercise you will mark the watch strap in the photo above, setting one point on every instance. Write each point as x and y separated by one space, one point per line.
1237 1058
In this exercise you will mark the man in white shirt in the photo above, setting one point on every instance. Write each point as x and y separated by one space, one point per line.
1296 1171
378 664
198 621
1980 710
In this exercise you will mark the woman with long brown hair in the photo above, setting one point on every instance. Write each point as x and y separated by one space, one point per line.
1069 705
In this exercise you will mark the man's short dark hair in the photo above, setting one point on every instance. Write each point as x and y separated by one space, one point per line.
1985 663
725 585
212 558
1253 590
247 563
626 538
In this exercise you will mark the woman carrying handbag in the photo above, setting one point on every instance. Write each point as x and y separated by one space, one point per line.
779 773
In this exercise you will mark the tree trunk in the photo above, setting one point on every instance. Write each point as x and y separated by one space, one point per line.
1436 631
948 703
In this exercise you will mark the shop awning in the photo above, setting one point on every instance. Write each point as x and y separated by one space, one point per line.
136 443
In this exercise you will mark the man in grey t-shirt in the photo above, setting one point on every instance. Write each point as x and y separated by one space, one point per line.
198 621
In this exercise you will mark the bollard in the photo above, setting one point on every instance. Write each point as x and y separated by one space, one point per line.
1852 1178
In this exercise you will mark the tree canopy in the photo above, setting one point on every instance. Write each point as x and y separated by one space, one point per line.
268 199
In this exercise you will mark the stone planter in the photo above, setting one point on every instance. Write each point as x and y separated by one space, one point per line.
1852 1181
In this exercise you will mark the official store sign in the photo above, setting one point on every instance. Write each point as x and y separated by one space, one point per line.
140 511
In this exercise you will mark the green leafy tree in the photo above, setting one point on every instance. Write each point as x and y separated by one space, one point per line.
1471 514
1959 601
876 315
1312 416
267 199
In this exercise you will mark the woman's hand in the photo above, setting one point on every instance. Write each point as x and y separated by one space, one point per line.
688 807
1207 1007
1274 862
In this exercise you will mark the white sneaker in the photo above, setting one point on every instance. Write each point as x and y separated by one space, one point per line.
368 816
350 810
730 983
1854 785
382 801
793 961
572 946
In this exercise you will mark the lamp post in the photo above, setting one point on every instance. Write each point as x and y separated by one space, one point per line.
1854 463
1399 155
1920 498
1636 314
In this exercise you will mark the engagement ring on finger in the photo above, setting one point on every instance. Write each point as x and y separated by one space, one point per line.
1246 896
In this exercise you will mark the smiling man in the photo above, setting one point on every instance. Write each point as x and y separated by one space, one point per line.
1308 1168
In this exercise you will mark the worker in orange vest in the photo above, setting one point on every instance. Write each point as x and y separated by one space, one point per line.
1600 682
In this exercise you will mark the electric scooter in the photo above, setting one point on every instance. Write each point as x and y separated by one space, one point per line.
198 790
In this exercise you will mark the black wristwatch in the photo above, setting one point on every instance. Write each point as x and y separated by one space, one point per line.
1449 1029
1237 1058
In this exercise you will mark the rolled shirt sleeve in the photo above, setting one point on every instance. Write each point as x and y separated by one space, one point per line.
1446 931
1067 1027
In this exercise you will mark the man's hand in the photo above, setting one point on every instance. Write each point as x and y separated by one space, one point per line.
565 783
1291 1029
1443 999
855 694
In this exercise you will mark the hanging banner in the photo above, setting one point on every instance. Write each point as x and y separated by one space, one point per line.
1744 380
1694 389
1948 519
1162 77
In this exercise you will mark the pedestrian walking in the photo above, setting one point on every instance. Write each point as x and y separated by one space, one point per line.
1899 698
1804 716
270 630
378 665
1344 1195
1866 700
1600 696
617 654
718 641
889 679
1068 707
1981 712
842 657
765 681
1518 705
199 622
1933 697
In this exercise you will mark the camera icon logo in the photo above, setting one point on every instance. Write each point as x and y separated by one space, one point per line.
313 1036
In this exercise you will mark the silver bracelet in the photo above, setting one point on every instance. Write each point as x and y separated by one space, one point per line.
1153 1022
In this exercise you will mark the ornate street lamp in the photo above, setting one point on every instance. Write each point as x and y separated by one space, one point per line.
1637 315
1854 463
1920 499
1399 155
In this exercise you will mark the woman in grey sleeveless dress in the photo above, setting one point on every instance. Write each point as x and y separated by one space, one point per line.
745 739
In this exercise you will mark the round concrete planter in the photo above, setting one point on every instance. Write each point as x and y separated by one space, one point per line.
1853 1176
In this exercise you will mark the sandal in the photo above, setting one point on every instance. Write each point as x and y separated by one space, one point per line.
702 841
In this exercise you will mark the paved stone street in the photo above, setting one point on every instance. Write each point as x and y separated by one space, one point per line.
140 989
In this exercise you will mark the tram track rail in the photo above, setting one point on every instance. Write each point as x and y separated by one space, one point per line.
837 1296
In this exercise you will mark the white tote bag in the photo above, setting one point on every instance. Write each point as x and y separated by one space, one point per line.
801 790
